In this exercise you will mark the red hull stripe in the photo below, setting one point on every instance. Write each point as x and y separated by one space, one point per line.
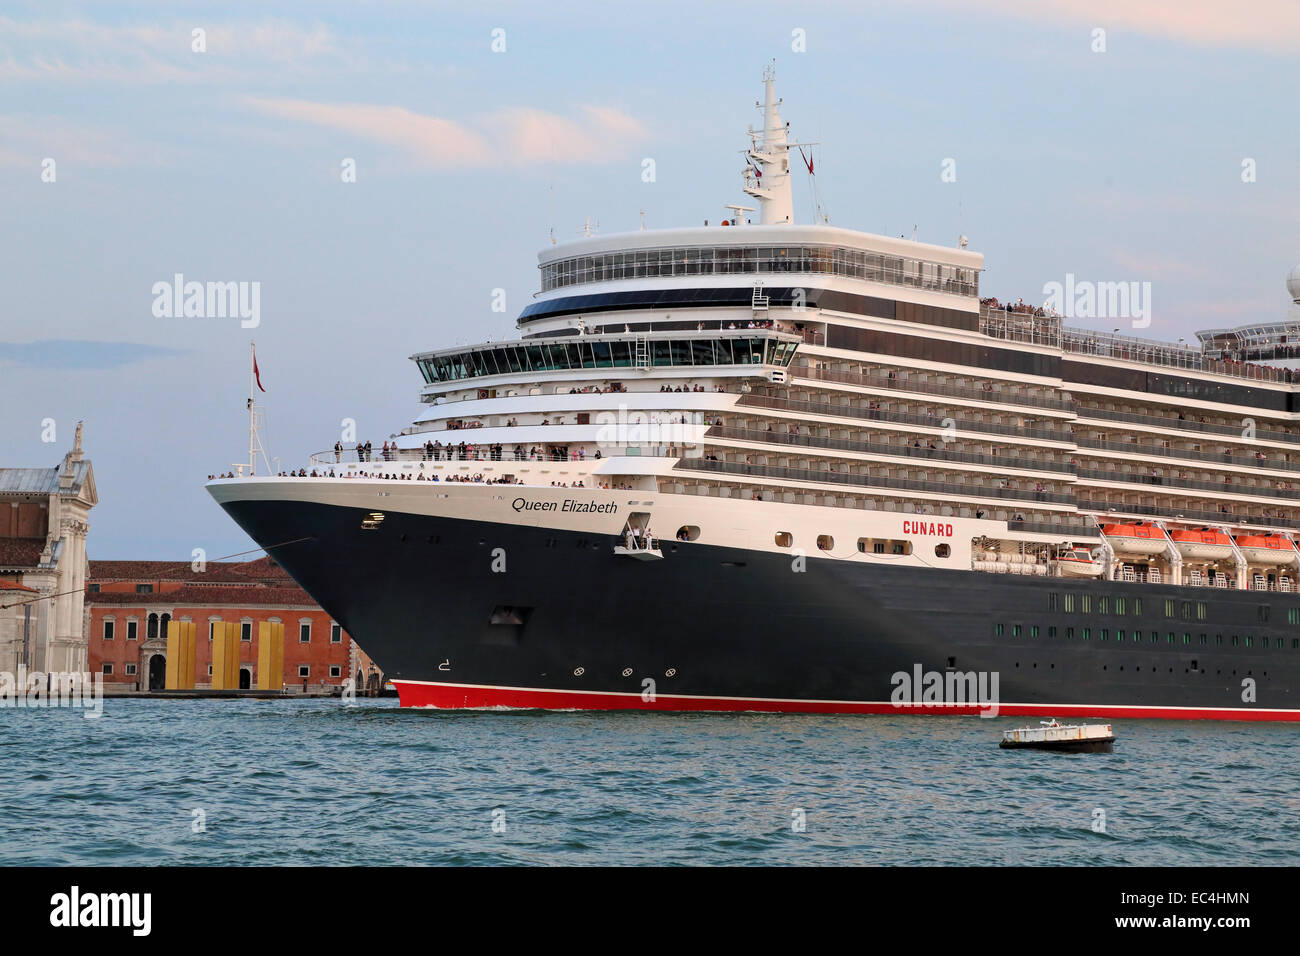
481 696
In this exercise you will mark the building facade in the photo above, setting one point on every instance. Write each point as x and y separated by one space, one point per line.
132 602
43 565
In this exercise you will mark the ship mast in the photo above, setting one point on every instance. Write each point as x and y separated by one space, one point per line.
767 175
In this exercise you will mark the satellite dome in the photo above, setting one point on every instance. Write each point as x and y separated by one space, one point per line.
1293 283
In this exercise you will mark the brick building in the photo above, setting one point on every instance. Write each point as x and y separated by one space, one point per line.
131 603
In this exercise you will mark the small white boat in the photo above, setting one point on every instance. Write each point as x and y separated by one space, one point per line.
1077 563
1067 738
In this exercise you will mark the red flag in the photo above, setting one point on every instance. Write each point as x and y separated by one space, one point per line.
807 161
256 374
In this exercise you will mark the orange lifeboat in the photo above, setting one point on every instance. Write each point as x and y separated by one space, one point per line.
1136 538
1272 550
1204 544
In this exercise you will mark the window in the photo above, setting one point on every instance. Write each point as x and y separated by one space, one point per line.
1051 630
336 671
1103 604
1015 630
1200 610
1087 633
246 631
784 539
304 632
1293 615
144 589
688 532
1105 633
304 670
1234 640
1085 603
1137 605
1069 633
1155 637
883 546
132 631
1119 606
1033 630
108 668
108 630
1264 611
1169 607
212 627
94 589
942 550
130 669
825 542
1186 610
336 633
1170 638
1069 604
1053 600
1119 635
1250 641
999 629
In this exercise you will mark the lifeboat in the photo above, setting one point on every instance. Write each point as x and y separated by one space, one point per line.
1137 538
1077 563
1204 544
1267 549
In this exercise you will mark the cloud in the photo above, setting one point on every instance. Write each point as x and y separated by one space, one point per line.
514 136
67 354
26 140
84 51
1270 25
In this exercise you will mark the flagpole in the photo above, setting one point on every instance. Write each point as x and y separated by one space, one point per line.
252 419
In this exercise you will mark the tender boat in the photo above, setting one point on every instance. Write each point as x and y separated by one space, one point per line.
1268 549
1065 738
1202 544
1136 538
1078 563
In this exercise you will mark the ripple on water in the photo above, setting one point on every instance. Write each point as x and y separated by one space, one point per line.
318 783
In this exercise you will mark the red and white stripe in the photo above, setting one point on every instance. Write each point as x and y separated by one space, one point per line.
488 696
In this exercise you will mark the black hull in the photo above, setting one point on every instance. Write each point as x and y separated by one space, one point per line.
717 628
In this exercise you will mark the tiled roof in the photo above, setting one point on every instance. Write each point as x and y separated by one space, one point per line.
262 571
15 586
209 597
19 553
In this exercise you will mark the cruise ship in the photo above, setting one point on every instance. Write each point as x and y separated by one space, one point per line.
756 465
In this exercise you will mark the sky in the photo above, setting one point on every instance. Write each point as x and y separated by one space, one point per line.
133 149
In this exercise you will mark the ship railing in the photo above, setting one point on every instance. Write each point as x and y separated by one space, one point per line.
1065 531
1030 326
1163 481
1160 421
906 418
1148 352
883 448
1108 511
1000 396
874 481
1237 461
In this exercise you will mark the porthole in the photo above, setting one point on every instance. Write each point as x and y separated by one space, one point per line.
825 542
688 532
784 539
943 550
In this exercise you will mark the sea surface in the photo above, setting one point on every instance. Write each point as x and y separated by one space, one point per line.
317 782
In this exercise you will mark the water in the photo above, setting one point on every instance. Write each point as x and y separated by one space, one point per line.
317 783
